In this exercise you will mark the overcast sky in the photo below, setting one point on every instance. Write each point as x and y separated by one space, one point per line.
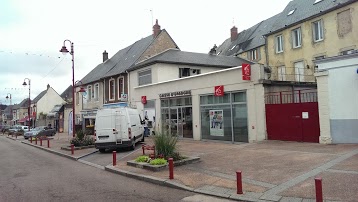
32 33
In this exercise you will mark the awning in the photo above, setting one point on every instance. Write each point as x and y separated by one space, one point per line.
54 112
26 118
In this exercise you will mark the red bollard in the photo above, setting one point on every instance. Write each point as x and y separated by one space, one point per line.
72 149
171 168
114 158
35 140
143 149
319 193
31 139
48 143
239 182
40 141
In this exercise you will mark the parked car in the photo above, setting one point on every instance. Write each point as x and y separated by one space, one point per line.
40 131
5 128
15 128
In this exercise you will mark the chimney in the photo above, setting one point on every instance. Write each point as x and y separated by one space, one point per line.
105 55
48 86
156 29
234 34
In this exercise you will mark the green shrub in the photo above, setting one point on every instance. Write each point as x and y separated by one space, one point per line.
158 161
165 144
76 142
87 140
80 135
142 159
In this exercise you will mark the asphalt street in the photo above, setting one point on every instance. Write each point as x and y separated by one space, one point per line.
30 174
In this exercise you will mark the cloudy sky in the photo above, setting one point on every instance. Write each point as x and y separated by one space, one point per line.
32 33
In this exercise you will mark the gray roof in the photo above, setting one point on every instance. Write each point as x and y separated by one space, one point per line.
67 94
37 98
119 62
248 39
8 110
175 56
253 37
304 10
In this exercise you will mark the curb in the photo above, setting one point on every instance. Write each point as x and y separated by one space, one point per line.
52 151
11 138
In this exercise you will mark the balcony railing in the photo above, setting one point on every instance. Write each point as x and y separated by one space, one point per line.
292 74
296 96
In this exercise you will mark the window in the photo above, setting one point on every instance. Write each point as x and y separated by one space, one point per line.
253 55
96 92
291 12
296 38
281 71
317 1
185 72
145 77
317 31
279 44
111 89
89 95
120 87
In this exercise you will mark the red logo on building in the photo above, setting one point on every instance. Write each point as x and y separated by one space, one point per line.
144 99
219 91
246 72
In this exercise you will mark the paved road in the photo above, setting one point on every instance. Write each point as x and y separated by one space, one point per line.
29 174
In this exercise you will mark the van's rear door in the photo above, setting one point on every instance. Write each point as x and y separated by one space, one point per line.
105 124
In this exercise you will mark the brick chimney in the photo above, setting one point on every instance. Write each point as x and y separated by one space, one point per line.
48 86
105 56
156 28
234 34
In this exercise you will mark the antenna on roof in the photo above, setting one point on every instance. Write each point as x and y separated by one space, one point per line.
151 12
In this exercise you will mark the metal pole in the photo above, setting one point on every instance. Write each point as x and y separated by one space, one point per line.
239 182
73 91
319 193
171 168
28 110
114 158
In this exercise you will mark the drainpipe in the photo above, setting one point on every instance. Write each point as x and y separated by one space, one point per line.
128 79
266 52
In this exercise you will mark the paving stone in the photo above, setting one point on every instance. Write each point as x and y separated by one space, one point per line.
309 200
271 197
291 199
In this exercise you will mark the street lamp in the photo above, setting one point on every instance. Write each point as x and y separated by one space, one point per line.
7 97
64 51
35 116
28 109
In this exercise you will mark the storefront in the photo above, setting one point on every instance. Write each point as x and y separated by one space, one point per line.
192 108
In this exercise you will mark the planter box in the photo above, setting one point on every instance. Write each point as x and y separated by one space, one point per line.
156 168
68 148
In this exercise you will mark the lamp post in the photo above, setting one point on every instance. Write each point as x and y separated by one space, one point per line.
35 115
64 51
7 97
28 109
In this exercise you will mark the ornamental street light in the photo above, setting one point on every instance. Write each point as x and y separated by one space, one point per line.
29 101
9 97
64 51
35 116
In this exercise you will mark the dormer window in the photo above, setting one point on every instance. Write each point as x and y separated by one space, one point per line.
185 72
291 12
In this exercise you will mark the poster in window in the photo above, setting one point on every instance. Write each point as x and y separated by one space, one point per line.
216 123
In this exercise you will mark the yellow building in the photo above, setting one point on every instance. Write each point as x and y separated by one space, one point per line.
288 42
308 30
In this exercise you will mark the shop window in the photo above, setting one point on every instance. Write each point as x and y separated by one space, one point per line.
145 77
239 97
111 91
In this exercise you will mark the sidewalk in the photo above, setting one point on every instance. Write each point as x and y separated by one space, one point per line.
271 170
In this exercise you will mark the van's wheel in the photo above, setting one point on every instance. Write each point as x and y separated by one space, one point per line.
142 140
102 150
132 147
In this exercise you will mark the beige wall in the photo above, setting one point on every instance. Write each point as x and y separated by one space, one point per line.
48 101
331 45
204 84
262 55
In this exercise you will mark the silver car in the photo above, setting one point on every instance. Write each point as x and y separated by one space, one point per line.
40 131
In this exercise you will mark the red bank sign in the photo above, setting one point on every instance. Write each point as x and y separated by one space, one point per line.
219 91
144 99
246 72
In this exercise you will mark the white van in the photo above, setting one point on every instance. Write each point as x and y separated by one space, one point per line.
117 128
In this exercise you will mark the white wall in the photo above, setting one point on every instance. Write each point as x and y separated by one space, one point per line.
48 101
